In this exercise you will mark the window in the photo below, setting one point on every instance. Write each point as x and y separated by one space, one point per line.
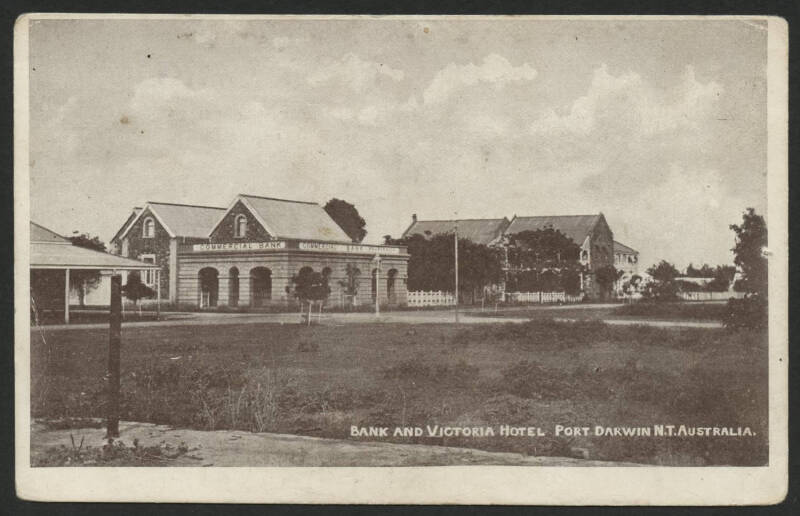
240 226
149 228
149 275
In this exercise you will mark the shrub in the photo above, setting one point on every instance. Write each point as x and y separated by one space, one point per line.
749 312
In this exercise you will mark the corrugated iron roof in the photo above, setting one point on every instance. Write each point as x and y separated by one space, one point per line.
622 248
61 254
295 219
42 234
576 227
480 231
186 220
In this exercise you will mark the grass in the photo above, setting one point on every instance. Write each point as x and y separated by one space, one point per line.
674 311
320 380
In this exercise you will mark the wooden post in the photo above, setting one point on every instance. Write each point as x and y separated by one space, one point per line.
66 296
158 294
115 322
455 245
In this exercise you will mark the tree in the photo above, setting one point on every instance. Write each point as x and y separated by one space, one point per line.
135 290
751 240
310 285
605 277
706 271
544 260
664 286
85 280
723 276
347 217
351 281
431 265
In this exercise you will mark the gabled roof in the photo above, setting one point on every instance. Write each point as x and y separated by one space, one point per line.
480 231
624 249
42 234
52 251
181 220
576 227
284 218
124 229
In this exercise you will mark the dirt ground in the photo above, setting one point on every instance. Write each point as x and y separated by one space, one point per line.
236 448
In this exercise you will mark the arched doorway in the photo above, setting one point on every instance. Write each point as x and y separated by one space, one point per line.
260 286
391 278
233 287
209 287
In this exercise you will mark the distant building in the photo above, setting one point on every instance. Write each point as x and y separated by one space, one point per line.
626 261
590 232
480 231
246 254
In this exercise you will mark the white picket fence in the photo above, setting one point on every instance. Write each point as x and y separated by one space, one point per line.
430 298
541 297
709 296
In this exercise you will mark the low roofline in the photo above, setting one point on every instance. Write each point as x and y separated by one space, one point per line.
460 220
187 205
549 216
276 199
66 240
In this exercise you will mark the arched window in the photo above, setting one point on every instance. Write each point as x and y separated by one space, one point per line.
149 228
240 226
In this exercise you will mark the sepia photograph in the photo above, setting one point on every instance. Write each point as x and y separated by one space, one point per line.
417 259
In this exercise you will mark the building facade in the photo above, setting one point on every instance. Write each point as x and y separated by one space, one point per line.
247 254
591 232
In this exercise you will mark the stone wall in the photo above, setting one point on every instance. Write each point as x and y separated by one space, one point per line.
158 245
224 232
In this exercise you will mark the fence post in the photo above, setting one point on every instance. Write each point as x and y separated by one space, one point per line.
114 337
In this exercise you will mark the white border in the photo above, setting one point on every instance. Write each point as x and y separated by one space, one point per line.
431 485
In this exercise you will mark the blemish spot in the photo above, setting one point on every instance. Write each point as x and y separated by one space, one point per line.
124 120
141 132
148 56
426 30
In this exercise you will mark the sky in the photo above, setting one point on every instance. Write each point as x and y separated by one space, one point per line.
658 124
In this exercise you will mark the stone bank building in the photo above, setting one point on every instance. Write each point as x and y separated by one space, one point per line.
245 255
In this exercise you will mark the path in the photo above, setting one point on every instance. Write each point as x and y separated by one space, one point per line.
237 448
467 316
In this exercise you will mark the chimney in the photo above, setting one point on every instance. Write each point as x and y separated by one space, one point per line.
413 217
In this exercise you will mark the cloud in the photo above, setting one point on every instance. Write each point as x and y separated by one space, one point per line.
626 101
354 72
495 70
156 95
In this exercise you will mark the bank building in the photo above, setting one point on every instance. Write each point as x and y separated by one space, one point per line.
245 255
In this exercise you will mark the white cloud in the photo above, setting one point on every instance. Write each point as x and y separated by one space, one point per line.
629 100
153 96
355 72
495 70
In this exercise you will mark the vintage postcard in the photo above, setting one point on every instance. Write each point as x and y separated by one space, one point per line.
401 259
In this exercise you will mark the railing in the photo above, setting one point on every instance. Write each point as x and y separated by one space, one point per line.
430 298
541 297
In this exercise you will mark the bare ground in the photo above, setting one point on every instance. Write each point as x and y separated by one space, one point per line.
236 448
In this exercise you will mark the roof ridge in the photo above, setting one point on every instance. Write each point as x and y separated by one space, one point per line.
454 220
185 205
277 199
553 216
